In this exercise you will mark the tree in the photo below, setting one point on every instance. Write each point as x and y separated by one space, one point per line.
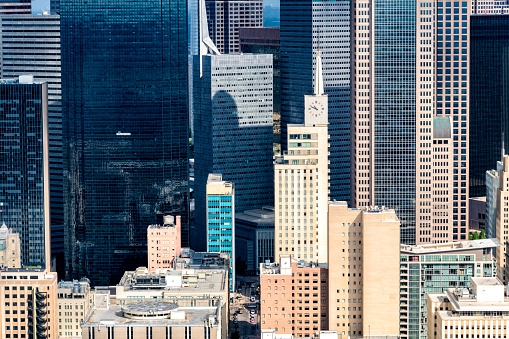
483 235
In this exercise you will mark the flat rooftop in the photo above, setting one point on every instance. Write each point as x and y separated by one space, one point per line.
450 246
188 280
115 316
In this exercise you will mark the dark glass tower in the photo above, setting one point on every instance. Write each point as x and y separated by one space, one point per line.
489 95
125 126
308 26
24 166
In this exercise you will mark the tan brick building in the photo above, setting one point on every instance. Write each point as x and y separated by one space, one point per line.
364 249
10 251
74 301
28 303
293 297
163 243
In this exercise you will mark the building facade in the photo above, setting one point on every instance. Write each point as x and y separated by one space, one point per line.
502 220
306 27
25 189
254 237
266 40
481 310
125 127
164 243
293 297
363 287
28 298
74 301
226 17
434 268
489 79
394 106
477 212
16 7
233 130
30 45
10 248
221 220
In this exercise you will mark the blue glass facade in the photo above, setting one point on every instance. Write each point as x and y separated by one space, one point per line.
220 229
394 110
125 127
307 26
24 176
489 96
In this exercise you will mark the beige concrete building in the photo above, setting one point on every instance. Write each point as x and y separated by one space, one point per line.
502 220
74 301
364 250
28 303
163 243
153 319
480 311
301 182
393 128
10 250
293 297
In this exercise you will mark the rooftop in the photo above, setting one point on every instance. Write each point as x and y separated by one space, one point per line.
189 280
450 246
486 294
264 215
199 260
275 268
151 313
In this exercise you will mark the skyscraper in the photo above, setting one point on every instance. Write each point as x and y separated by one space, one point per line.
24 166
125 123
399 90
225 17
233 130
221 220
301 182
308 26
15 7
30 45
489 95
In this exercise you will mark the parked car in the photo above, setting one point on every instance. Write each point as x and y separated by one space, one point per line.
252 320
253 299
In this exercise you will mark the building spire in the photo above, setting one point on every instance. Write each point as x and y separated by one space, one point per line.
318 85
503 146
206 44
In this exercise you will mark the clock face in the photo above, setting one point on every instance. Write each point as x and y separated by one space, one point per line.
316 108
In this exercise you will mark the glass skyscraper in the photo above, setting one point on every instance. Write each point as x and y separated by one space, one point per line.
308 26
125 127
24 166
489 95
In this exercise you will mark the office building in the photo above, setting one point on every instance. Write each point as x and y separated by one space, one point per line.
10 248
154 319
74 302
254 237
221 220
306 27
25 167
30 45
28 303
125 127
265 40
364 285
477 213
226 17
396 102
233 131
502 221
271 334
433 268
489 76
163 243
477 311
487 7
293 297
492 186
16 7
301 182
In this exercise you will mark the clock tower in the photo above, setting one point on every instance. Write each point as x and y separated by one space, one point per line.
316 106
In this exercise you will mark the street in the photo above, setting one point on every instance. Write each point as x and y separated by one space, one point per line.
243 309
